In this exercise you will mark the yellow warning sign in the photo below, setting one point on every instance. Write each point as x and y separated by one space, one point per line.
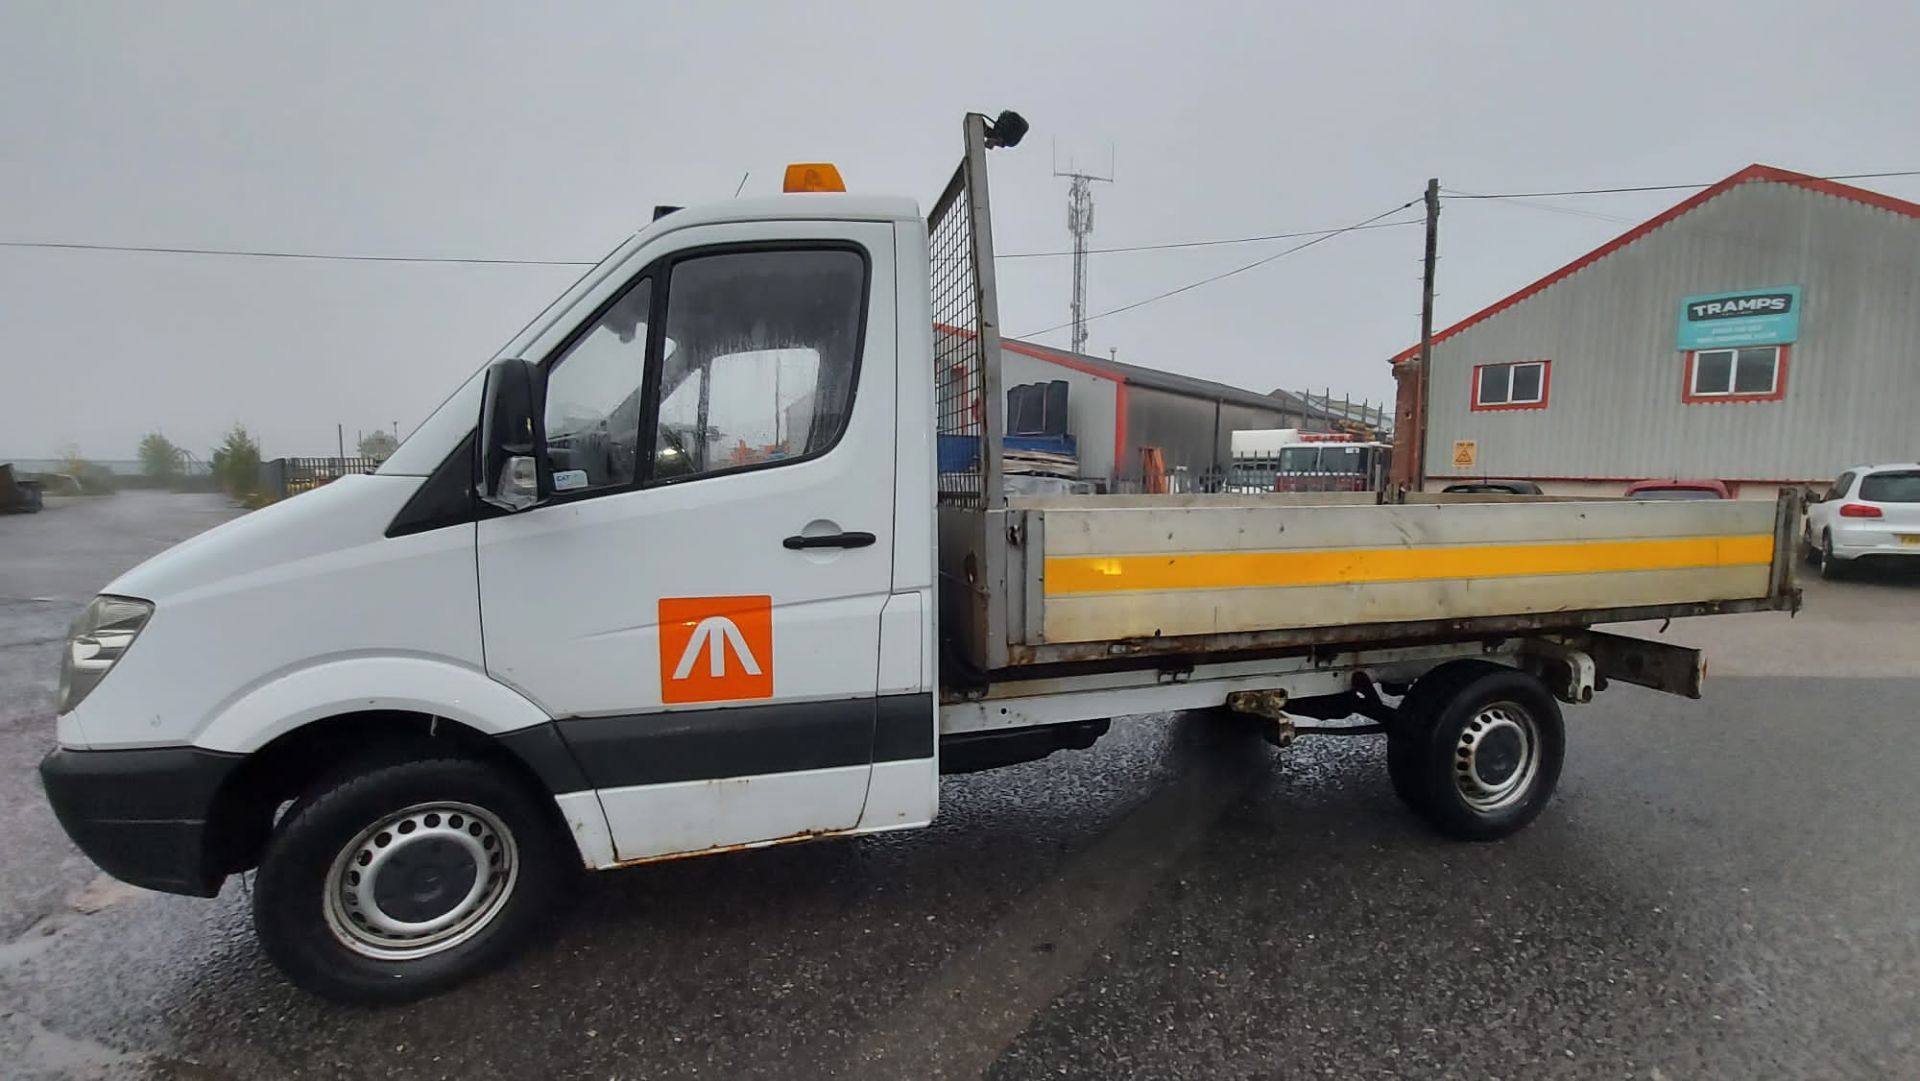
1466 453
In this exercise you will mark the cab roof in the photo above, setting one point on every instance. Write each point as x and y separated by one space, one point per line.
808 206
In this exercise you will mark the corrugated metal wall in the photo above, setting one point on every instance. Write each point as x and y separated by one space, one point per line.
1183 428
1180 425
1615 408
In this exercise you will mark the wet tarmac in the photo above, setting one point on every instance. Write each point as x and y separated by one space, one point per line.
1722 888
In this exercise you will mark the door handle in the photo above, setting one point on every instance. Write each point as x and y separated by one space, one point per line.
829 540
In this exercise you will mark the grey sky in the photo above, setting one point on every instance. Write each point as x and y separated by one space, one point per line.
549 131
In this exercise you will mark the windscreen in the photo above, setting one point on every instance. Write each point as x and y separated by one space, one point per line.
1336 458
1300 460
1903 487
1671 494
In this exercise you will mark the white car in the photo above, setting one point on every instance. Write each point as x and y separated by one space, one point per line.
1871 510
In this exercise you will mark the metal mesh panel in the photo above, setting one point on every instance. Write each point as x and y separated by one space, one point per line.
959 358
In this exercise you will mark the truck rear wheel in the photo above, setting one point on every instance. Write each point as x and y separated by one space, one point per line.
400 878
1477 749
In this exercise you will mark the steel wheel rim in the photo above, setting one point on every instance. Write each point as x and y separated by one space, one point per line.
1497 757
397 891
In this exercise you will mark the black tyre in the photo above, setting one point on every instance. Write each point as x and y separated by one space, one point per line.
1477 750
1418 711
1831 569
398 878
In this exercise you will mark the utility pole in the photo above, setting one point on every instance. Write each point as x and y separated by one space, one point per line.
1426 335
340 439
1080 224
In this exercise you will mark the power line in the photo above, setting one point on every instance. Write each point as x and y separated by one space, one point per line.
336 257
1318 234
1550 207
1206 243
1664 187
252 254
1230 273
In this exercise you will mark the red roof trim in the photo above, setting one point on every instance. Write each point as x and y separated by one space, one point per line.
1064 359
1458 478
1694 202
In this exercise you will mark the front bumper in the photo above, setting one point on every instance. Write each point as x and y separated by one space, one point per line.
142 815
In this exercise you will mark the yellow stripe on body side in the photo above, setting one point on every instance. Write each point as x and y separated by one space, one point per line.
1233 570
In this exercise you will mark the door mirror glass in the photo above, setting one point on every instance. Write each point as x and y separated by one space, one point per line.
511 440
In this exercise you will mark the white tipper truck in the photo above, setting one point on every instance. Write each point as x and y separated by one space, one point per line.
717 554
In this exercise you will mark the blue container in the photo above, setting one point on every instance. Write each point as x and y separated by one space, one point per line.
958 453
1050 444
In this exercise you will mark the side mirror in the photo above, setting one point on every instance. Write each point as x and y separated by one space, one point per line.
513 469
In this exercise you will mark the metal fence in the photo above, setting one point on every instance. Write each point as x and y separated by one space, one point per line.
966 351
282 477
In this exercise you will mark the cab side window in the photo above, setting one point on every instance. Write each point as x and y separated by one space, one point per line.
1841 487
759 359
593 398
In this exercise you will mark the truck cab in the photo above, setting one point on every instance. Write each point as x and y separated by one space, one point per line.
694 613
1290 460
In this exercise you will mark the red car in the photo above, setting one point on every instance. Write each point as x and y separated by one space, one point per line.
1678 489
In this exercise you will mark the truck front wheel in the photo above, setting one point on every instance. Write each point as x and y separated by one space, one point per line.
1477 750
396 879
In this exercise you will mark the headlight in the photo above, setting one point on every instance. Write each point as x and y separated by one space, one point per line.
100 637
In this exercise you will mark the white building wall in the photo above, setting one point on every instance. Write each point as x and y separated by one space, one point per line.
1090 406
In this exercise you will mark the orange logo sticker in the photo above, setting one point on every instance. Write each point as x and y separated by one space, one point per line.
716 649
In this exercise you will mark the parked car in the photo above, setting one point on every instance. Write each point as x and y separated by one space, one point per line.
1871 511
1494 487
18 494
1678 489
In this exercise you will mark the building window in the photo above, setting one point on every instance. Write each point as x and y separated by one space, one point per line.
1753 373
1522 385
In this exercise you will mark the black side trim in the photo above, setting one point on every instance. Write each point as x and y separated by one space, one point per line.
692 745
445 498
971 752
547 754
904 727
141 815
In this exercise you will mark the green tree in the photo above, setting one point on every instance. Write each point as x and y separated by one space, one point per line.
91 477
378 445
159 458
236 462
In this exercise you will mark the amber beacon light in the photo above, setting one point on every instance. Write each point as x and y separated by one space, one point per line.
813 176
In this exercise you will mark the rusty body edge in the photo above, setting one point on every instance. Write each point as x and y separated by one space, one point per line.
1066 658
715 850
1661 666
1789 506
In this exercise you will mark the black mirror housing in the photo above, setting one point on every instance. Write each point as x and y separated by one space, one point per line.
513 469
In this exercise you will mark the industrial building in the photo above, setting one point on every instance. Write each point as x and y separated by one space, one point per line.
1764 332
1117 410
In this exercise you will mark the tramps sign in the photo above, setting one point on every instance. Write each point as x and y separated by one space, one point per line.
1751 317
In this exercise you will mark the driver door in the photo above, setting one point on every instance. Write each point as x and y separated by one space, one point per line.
699 601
